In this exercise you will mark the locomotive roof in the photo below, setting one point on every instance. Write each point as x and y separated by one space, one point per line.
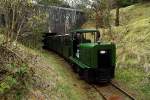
84 30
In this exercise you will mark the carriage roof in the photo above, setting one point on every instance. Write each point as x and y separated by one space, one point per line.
84 30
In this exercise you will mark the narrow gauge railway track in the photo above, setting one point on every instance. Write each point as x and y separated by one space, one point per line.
111 91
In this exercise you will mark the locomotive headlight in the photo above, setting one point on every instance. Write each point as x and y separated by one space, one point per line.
103 52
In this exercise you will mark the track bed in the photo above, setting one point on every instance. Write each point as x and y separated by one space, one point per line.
111 91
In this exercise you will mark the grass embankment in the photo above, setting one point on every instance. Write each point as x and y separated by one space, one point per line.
132 38
52 79
67 85
15 75
134 48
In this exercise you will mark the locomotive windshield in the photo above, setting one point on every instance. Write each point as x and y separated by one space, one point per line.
91 37
86 36
83 36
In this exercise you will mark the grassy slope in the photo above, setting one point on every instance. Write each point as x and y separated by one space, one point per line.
54 79
133 47
69 84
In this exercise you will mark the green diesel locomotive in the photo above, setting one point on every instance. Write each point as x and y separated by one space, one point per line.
93 60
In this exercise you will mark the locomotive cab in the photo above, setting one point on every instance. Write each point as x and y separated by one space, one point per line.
81 37
95 60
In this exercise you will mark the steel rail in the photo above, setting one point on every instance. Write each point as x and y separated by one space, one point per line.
116 87
101 94
127 94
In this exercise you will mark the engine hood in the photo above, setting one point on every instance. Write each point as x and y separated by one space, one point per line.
93 45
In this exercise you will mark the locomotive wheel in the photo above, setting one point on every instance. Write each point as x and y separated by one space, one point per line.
87 76
74 67
78 70
81 71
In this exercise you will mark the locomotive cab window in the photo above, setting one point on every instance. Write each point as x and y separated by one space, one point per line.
89 37
83 36
86 37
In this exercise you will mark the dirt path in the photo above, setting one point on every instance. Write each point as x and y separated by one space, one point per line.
55 80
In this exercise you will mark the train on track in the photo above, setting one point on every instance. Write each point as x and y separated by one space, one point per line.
93 60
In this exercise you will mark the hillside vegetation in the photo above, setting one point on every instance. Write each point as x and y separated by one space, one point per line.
133 43
132 38
46 77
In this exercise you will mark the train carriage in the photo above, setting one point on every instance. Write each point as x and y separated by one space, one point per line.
93 60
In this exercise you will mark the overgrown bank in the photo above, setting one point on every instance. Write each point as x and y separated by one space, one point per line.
15 75
46 76
132 38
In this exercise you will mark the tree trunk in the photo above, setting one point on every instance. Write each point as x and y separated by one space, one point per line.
96 23
117 22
